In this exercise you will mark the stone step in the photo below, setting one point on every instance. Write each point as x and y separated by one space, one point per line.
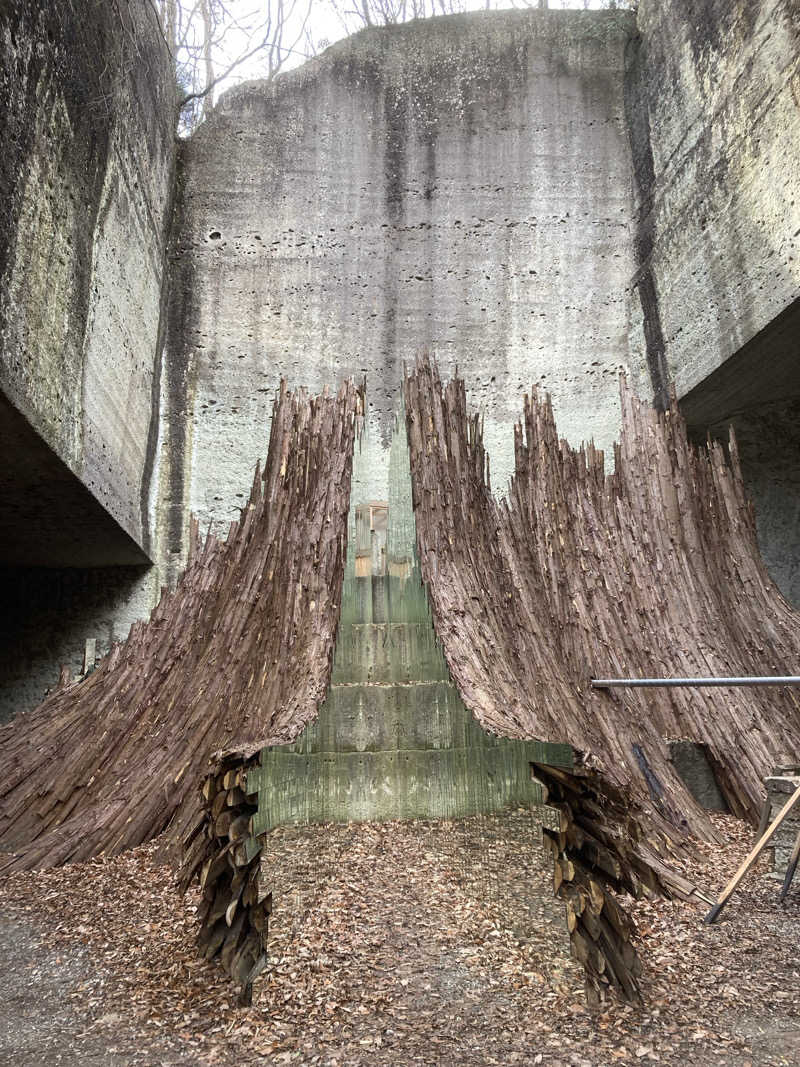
435 784
375 717
388 652
383 598
420 716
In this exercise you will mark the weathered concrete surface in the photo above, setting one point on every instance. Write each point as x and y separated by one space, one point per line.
780 786
714 112
690 760
86 170
460 184
49 612
715 121
86 165
48 516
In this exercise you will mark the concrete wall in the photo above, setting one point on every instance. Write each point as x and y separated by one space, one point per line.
715 119
49 612
713 99
460 184
768 438
87 111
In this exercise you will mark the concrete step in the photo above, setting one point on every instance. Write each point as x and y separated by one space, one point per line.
383 598
388 652
375 717
445 783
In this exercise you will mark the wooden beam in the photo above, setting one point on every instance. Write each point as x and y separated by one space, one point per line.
730 888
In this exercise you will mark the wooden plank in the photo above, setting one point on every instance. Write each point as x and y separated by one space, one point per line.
791 868
753 855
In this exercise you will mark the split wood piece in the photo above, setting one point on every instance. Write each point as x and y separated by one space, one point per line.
195 858
730 888
563 870
235 796
211 938
763 822
667 879
233 921
232 779
554 840
787 881
585 871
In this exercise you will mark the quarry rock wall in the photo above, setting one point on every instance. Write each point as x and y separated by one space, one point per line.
460 185
713 103
713 106
87 149
87 113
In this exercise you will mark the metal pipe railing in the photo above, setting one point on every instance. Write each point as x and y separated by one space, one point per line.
653 683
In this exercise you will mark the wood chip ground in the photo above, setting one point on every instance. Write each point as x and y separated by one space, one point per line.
402 943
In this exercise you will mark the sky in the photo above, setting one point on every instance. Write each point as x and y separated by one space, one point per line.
324 26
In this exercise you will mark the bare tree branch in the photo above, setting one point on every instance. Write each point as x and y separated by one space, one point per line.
200 93
210 40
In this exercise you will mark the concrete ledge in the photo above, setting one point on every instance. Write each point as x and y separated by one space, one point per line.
404 784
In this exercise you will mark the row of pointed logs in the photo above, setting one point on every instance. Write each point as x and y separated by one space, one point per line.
220 851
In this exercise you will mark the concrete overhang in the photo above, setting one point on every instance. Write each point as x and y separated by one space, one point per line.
765 370
48 517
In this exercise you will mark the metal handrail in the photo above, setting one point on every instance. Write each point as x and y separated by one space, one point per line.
652 683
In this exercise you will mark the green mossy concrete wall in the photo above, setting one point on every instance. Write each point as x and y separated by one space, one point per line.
393 739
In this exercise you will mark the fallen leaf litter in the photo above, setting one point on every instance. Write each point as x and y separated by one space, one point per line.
418 943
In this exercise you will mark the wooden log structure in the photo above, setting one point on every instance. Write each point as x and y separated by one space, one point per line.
599 853
222 853
241 650
652 570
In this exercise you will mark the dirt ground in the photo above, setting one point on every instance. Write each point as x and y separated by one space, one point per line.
433 943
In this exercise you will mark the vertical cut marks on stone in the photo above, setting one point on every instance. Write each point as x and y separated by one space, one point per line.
240 653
